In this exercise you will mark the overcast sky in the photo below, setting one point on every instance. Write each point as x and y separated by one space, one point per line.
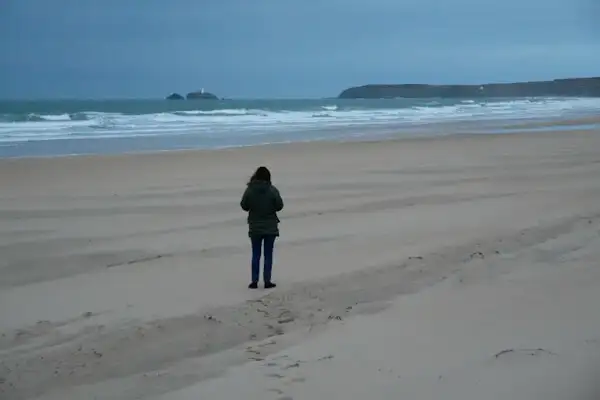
286 48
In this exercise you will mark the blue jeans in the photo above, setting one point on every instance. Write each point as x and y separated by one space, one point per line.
257 244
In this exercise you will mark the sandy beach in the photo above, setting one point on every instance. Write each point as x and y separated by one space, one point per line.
457 267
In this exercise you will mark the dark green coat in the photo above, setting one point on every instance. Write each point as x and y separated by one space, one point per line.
262 201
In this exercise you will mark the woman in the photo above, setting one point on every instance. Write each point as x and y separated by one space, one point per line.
262 201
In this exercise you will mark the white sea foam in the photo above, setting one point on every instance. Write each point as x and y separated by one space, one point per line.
61 117
233 123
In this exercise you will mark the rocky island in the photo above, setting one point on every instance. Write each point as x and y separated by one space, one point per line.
198 95
201 95
572 87
175 96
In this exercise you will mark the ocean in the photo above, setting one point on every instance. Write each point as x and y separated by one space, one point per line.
67 127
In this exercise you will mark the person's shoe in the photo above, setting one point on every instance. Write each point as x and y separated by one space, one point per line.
253 285
269 285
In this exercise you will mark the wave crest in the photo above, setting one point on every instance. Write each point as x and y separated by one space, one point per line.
237 122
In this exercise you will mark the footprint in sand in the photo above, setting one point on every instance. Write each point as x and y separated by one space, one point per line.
523 352
256 350
281 392
283 377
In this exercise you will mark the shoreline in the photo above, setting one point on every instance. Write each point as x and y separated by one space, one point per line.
420 132
289 145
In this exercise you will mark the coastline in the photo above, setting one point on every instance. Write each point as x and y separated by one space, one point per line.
416 132
57 128
124 276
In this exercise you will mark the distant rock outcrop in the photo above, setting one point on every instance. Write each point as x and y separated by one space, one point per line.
201 95
175 96
574 87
